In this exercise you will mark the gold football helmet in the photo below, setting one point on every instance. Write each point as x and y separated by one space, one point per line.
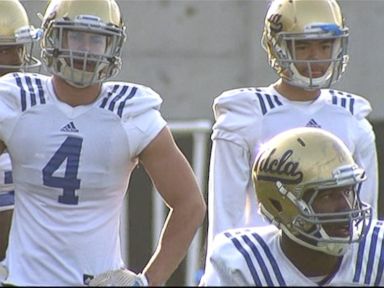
288 21
298 164
82 67
16 33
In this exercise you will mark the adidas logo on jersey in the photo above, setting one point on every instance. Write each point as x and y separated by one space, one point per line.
70 127
313 123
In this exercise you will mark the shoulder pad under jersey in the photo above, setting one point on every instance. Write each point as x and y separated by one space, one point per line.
21 91
355 104
236 108
128 99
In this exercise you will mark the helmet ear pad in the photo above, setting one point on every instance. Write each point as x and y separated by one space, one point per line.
301 162
289 21
79 67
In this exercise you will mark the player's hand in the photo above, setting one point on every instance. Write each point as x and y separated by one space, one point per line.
120 277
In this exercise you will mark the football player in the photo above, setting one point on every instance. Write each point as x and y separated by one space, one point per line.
74 140
17 40
307 184
306 42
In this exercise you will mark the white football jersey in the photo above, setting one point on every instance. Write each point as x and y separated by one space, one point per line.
246 118
71 168
7 194
253 257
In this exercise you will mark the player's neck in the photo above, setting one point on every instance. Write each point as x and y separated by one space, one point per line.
294 93
75 96
310 262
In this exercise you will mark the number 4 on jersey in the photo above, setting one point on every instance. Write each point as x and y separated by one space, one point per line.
69 151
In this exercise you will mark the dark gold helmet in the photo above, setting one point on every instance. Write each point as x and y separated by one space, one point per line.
309 160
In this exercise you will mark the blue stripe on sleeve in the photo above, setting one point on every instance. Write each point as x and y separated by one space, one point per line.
371 255
343 102
278 102
105 100
351 105
359 260
32 94
380 267
23 94
262 103
115 99
8 178
7 198
247 258
122 104
272 260
269 99
260 260
40 90
334 99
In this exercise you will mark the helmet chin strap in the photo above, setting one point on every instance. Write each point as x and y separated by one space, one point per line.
334 249
310 83
79 78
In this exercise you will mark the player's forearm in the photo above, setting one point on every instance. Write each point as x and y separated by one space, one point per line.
177 235
228 179
366 157
369 189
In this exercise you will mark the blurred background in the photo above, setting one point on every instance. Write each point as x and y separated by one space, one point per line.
190 51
